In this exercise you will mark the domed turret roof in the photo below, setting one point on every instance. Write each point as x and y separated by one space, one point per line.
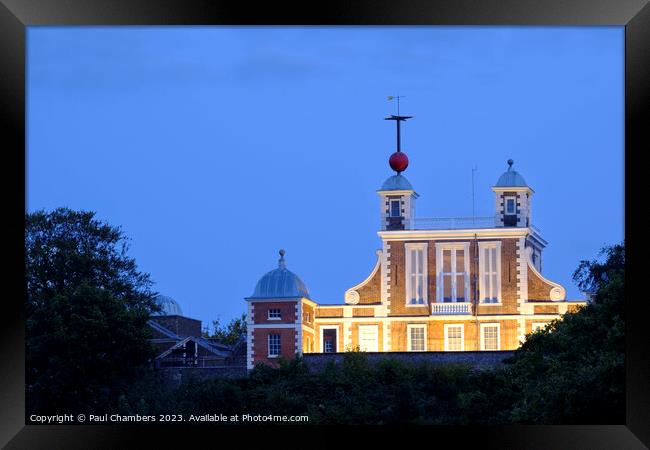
396 183
511 178
280 283
169 306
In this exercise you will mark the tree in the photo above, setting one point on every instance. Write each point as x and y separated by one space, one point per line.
230 333
573 371
87 311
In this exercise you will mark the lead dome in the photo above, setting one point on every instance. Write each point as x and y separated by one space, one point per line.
511 178
280 283
168 306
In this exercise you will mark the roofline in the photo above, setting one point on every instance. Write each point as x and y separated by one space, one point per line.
399 192
469 233
512 188
275 299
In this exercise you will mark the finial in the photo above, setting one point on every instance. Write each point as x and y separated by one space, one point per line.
282 264
510 163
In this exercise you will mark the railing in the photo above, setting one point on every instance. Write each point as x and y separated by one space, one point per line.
441 309
445 223
452 223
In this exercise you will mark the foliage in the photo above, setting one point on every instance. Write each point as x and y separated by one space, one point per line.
87 309
570 372
228 334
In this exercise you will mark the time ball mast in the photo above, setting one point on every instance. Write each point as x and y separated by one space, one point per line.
398 161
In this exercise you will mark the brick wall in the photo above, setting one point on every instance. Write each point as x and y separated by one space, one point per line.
182 326
476 360
397 266
537 288
546 309
371 291
308 309
363 312
260 344
287 312
329 312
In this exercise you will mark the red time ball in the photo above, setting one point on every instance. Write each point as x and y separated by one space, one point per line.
398 161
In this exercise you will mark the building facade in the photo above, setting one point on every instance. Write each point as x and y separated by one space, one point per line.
439 284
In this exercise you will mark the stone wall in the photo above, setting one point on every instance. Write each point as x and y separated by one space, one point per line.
174 376
477 360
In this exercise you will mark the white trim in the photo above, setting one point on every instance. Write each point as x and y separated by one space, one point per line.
409 327
249 337
298 337
440 247
351 295
375 327
408 249
481 270
329 327
275 325
482 326
440 235
268 314
462 336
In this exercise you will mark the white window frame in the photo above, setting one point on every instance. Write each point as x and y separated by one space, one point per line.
440 247
268 315
482 336
322 342
268 345
505 205
408 248
367 326
462 336
390 207
409 327
481 271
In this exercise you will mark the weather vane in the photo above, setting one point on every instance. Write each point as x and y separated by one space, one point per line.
398 119
393 97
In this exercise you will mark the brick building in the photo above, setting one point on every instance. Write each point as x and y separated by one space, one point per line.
439 284
179 343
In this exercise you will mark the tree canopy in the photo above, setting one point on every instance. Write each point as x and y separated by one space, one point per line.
87 307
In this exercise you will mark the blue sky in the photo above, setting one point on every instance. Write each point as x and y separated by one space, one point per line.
213 147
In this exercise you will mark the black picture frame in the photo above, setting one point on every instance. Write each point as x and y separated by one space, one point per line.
17 15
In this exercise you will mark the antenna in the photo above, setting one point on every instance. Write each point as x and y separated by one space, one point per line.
474 169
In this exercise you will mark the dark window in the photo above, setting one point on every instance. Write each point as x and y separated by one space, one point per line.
395 208
329 341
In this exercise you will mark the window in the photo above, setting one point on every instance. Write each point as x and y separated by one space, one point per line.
395 208
538 326
490 272
368 338
307 317
454 338
328 338
274 314
452 266
490 339
416 274
511 205
274 345
416 338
